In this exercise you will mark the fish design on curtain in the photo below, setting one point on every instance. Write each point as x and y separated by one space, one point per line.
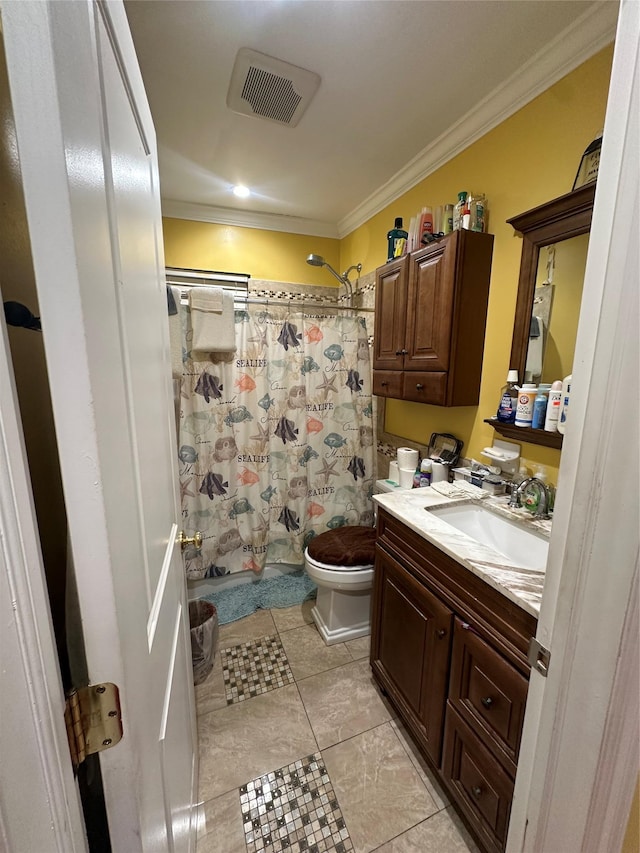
276 446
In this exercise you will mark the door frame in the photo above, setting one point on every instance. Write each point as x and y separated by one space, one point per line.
579 756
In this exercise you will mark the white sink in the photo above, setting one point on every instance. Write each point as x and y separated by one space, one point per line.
519 545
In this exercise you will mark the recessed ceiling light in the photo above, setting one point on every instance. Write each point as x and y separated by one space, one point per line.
241 192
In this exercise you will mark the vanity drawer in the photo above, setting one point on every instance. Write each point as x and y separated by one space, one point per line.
424 387
488 693
482 787
387 383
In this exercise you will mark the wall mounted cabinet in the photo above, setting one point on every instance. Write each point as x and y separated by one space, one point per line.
451 654
431 310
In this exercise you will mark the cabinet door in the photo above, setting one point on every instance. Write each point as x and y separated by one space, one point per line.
431 293
411 644
391 315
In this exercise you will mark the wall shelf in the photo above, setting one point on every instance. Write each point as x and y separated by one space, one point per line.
530 436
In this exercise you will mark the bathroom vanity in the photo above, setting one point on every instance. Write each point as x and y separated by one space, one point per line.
451 626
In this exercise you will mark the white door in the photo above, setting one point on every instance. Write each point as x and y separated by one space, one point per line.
89 168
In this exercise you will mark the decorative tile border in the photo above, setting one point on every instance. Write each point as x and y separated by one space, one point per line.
294 809
251 669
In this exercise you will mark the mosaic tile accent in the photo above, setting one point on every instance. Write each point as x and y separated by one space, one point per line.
294 809
250 669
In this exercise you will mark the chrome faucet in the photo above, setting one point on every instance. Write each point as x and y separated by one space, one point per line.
545 496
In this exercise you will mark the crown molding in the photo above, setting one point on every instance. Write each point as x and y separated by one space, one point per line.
592 31
248 219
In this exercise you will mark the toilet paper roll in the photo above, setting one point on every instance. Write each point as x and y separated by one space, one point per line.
406 477
439 472
407 458
393 471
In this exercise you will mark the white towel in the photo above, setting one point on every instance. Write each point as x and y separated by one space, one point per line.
175 337
212 320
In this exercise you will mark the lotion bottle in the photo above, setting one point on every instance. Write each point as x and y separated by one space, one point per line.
553 407
566 394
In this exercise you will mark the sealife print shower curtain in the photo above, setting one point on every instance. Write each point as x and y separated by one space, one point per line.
275 445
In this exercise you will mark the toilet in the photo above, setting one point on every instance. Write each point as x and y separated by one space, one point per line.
340 562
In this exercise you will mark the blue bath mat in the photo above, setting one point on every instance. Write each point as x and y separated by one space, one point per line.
244 599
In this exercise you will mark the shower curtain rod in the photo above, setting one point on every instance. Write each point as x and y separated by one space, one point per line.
261 300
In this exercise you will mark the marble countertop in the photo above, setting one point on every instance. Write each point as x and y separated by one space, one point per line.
520 585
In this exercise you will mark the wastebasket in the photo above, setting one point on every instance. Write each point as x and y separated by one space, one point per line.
203 621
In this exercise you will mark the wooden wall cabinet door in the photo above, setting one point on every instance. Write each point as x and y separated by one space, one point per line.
431 310
412 642
391 316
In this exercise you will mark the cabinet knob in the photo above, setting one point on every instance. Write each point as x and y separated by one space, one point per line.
405 352
399 352
419 387
476 791
441 634
487 702
384 383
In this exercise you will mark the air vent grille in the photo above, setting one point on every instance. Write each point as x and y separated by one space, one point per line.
269 88
270 96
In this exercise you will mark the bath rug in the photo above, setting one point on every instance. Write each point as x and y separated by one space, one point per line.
242 600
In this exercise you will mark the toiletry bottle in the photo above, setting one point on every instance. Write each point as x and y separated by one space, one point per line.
457 211
426 225
447 219
416 477
553 407
508 399
524 409
465 216
425 473
478 212
540 407
396 240
566 393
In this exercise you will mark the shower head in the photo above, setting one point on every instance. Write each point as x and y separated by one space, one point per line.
319 261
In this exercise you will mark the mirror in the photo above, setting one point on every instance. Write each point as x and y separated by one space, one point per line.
554 247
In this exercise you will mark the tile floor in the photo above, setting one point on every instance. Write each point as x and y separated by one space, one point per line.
299 751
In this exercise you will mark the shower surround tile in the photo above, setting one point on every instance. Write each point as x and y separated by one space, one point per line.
294 809
378 788
250 738
308 653
253 668
343 702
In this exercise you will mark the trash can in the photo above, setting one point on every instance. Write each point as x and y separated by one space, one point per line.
203 621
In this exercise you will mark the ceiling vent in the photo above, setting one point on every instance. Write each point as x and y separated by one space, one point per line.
269 88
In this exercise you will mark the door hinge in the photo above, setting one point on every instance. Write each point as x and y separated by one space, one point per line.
539 657
93 719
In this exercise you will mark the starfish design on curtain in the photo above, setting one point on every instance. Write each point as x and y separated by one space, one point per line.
259 338
185 488
262 437
327 470
327 385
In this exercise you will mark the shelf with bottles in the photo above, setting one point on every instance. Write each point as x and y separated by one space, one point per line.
526 434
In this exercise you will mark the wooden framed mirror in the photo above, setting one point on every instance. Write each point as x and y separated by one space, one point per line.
539 352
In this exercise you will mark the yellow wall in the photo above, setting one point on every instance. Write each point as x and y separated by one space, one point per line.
529 159
271 255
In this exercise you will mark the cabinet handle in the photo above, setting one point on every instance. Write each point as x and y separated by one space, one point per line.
441 634
487 702
384 383
419 387
405 352
399 352
477 791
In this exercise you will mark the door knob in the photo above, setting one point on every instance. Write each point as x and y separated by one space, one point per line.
183 540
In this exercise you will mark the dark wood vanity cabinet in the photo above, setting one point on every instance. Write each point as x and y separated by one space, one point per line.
431 309
450 653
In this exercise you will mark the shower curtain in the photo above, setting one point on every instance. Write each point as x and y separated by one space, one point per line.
276 443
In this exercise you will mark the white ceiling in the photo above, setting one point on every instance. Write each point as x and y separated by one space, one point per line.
403 84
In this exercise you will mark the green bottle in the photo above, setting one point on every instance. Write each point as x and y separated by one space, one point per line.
396 240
